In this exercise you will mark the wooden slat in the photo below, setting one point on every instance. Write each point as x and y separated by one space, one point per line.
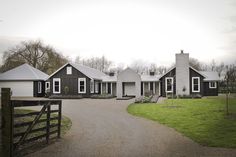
26 114
22 139
17 125
53 111
22 103
35 130
35 138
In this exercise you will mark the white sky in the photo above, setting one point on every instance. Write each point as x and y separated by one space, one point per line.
125 30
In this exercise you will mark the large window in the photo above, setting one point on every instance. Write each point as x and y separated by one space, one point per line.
68 70
56 85
91 86
82 85
96 87
195 84
39 87
169 84
212 84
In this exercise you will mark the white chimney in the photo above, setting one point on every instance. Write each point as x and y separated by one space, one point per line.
182 73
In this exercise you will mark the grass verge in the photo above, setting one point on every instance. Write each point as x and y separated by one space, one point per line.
203 120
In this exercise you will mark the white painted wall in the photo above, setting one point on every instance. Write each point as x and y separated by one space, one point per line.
182 74
128 75
19 88
130 88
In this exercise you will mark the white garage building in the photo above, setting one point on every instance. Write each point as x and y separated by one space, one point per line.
24 81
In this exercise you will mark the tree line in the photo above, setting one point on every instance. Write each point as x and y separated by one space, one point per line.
48 60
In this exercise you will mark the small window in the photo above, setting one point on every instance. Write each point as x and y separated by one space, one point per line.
169 84
82 85
91 86
195 84
39 87
56 85
47 86
96 87
212 84
68 70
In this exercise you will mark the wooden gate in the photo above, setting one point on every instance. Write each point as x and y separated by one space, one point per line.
17 132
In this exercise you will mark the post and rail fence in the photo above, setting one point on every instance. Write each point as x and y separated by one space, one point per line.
25 128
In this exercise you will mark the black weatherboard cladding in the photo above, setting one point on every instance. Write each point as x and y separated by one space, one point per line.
193 73
71 81
162 81
210 91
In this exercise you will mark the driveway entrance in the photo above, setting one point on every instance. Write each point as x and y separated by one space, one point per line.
103 128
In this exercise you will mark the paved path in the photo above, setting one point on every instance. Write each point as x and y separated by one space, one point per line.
103 128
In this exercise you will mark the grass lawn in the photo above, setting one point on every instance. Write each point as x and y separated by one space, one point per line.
65 125
203 120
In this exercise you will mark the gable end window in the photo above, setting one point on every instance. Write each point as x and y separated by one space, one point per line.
195 84
81 85
169 84
68 70
39 87
56 85
212 85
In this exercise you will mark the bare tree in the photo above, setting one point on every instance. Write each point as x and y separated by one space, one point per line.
139 66
36 54
220 68
100 63
196 64
230 80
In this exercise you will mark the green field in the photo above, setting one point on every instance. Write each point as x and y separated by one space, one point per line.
203 120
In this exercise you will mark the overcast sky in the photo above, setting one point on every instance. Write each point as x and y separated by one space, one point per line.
125 30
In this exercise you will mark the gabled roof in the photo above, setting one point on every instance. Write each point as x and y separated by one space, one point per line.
108 78
89 72
167 72
23 72
210 75
147 78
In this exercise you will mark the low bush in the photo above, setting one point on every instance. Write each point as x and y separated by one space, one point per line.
103 96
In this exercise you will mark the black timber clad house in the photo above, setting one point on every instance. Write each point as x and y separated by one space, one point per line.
204 83
72 79
78 80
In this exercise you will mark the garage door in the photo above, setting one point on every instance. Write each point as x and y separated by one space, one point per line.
129 89
21 88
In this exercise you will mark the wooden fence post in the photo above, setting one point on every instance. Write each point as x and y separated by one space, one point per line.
59 120
7 123
48 123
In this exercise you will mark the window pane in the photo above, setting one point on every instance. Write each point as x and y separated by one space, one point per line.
56 88
81 83
81 88
195 87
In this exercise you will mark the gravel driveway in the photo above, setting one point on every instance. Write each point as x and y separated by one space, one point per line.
104 128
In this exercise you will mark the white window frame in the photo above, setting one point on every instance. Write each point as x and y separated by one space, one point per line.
80 80
55 80
91 86
210 85
172 84
96 87
69 70
46 88
195 91
39 87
